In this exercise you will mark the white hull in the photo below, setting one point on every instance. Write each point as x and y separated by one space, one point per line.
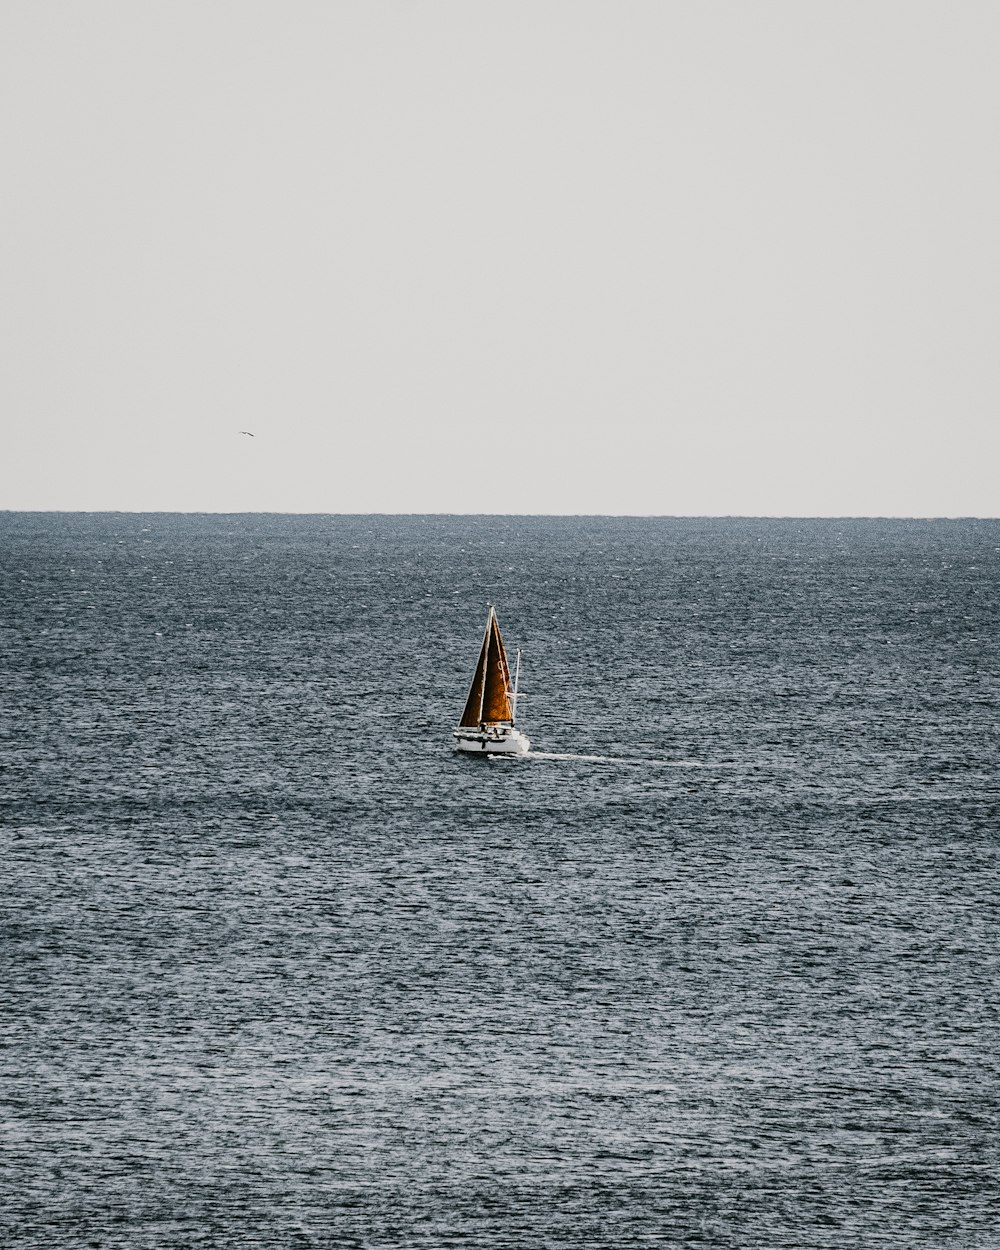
502 742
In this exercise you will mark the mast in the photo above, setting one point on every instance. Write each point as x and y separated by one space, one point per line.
486 665
513 700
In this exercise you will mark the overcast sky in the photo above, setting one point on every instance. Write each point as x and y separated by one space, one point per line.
698 257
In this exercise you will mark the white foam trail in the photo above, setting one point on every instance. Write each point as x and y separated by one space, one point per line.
622 759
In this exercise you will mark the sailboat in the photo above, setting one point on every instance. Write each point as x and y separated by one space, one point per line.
488 722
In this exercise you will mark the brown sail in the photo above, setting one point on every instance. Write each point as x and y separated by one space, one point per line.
489 698
496 696
474 704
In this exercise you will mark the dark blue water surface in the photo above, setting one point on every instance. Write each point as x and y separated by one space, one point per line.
278 969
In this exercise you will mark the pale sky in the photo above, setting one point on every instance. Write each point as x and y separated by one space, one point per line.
558 256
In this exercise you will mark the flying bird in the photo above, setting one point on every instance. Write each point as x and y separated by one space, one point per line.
248 434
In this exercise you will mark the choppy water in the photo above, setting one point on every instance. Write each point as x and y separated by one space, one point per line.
278 969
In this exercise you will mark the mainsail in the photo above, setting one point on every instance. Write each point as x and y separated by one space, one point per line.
489 701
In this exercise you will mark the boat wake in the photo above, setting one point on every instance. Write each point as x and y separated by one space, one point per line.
641 760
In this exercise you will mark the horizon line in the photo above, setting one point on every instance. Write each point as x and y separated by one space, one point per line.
609 516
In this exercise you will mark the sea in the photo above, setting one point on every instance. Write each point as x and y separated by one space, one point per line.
716 965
